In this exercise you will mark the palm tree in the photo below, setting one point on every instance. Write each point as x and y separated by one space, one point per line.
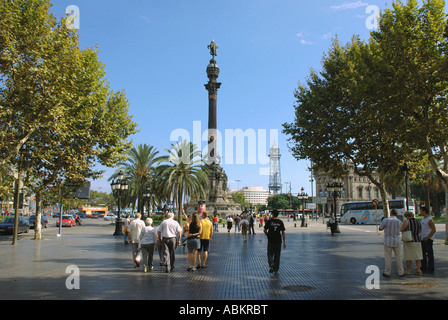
139 170
185 175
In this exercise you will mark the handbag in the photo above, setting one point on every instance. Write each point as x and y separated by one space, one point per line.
406 235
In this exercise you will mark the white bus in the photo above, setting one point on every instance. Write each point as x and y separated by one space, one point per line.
364 212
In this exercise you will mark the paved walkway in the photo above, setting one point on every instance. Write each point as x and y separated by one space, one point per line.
314 266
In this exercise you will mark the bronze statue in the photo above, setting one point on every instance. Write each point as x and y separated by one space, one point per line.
213 47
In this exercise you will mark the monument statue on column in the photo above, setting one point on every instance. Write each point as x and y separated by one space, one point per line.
219 200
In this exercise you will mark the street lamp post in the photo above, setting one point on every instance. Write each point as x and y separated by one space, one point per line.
303 196
336 188
119 189
147 197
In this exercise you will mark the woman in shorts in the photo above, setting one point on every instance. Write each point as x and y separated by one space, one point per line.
193 241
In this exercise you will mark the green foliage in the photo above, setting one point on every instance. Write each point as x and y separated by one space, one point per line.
58 115
377 103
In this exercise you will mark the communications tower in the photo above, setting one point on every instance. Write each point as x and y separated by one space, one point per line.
275 177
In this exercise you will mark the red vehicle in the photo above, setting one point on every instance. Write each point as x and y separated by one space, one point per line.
67 221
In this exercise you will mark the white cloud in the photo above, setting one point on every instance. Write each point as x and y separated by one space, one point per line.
326 36
350 5
302 40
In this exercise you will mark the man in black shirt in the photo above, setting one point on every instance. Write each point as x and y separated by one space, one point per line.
275 231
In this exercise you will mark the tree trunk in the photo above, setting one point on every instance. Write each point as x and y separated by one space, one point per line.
384 197
16 208
446 214
38 225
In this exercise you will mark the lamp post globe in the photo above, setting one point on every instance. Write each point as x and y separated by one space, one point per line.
336 188
119 189
303 196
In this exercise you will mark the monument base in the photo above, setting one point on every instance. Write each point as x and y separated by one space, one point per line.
219 200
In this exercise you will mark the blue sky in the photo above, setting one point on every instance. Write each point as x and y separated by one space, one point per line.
157 52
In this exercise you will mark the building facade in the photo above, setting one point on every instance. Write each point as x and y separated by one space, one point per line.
354 188
256 195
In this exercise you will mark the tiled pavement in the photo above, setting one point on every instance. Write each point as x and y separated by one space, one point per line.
314 266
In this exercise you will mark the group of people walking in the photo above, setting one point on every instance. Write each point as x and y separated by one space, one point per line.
144 239
195 234
418 248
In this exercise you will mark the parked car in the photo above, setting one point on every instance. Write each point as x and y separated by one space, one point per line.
7 225
67 221
94 215
83 215
43 221
110 217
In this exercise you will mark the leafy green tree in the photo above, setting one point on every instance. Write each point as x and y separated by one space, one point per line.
139 170
240 198
340 117
184 175
412 44
59 115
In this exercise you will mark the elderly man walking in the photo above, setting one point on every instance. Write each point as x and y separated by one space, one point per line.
392 230
169 234
135 228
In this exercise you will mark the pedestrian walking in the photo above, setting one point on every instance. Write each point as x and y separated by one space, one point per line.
229 223
148 242
274 229
135 228
412 250
193 241
392 230
428 231
244 228
251 223
215 223
127 221
237 221
205 237
169 234
185 232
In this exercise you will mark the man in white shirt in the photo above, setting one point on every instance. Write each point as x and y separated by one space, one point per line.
392 240
135 228
169 234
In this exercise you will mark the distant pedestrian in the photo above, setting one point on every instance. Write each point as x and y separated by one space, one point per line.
413 249
428 231
185 232
193 241
127 222
169 233
244 228
205 237
135 228
392 230
237 221
251 223
148 242
275 231
229 223
332 223
215 223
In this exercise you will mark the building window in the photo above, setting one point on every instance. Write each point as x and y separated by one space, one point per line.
360 192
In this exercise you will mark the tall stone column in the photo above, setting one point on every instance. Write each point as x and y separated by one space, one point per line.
212 87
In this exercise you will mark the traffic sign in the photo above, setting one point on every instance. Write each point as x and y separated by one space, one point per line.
375 202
